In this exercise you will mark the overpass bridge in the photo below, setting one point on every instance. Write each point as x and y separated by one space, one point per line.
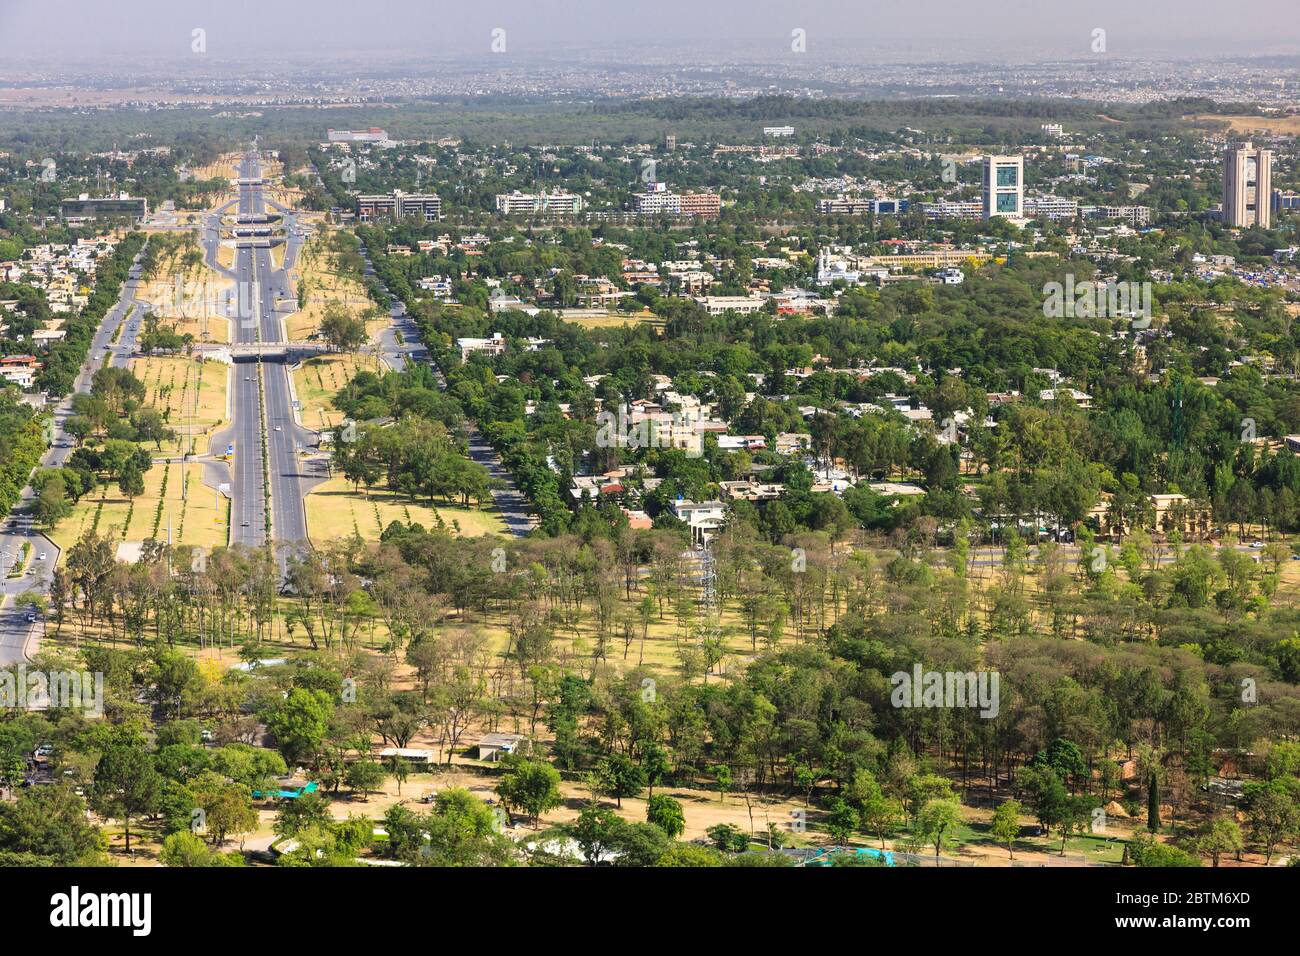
267 351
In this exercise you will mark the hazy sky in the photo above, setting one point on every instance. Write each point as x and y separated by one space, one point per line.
66 30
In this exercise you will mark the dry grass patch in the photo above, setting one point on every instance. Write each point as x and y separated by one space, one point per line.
195 513
615 320
190 393
336 511
319 379
196 304
1284 125
316 272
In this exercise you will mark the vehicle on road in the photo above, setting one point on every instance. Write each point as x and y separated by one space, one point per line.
42 556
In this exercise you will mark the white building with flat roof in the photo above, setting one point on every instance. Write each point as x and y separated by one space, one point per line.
555 203
742 304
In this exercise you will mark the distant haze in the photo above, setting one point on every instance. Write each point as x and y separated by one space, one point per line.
296 32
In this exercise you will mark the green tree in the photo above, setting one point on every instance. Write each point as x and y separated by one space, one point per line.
126 784
300 723
841 820
619 776
1219 836
937 819
666 813
50 823
532 786
364 776
1006 825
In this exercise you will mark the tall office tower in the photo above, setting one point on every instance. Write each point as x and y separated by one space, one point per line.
1004 186
1247 186
670 142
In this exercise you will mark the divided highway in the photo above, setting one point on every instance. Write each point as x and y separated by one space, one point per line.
262 395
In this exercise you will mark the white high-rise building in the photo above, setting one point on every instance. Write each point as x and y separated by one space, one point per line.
1004 186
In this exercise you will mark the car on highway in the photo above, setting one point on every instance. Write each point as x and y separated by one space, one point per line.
278 428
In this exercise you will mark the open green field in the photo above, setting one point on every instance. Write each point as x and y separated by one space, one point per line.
191 394
316 273
319 379
196 516
334 510
615 320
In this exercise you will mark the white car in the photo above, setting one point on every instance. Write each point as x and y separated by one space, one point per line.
42 556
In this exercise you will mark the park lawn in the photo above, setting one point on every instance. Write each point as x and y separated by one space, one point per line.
316 272
664 636
190 393
201 311
200 516
104 512
201 519
615 319
303 324
335 511
317 380
223 168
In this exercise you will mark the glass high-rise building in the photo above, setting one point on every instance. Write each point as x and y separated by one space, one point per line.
1004 186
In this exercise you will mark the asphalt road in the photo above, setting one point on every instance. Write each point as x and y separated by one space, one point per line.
20 638
260 286
510 502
